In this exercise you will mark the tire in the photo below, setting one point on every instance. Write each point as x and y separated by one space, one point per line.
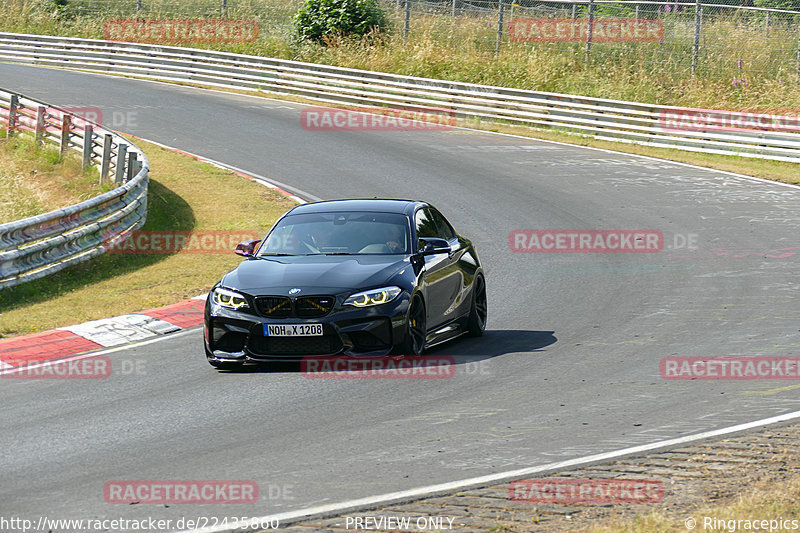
414 341
476 324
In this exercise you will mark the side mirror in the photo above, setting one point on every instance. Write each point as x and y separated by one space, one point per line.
434 245
247 248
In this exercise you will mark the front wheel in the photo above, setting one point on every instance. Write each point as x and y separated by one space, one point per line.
416 331
476 324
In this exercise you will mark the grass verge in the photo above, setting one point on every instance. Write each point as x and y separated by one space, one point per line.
184 194
777 504
35 180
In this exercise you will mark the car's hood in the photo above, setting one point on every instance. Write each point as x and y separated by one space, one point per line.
275 275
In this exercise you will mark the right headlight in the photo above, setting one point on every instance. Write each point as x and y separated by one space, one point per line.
373 297
228 299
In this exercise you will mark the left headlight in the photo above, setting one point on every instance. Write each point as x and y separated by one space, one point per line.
373 297
229 299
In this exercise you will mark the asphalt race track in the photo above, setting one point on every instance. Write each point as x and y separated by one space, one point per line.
569 365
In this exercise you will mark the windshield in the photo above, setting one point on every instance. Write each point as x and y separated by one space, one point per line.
344 233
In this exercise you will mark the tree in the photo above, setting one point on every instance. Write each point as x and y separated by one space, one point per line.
318 19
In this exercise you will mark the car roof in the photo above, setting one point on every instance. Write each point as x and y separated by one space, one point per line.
380 205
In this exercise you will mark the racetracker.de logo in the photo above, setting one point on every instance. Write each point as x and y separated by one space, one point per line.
572 30
556 490
383 367
377 119
171 242
98 367
730 368
584 241
197 31
177 492
681 119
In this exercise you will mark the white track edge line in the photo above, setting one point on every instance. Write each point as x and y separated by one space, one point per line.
371 501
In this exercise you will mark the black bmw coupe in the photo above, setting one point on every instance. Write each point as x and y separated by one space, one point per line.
366 277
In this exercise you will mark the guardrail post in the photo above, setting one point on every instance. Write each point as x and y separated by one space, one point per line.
88 133
13 109
499 27
122 153
407 19
66 130
40 111
590 29
105 164
698 15
132 163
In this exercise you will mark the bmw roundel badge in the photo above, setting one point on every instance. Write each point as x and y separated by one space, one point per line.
294 291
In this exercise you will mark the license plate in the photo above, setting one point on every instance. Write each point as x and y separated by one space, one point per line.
292 330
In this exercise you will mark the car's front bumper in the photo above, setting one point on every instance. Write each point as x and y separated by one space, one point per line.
237 336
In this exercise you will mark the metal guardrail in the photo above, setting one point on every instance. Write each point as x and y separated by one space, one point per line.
599 118
596 117
43 244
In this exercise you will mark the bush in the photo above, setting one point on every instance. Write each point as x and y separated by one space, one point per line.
319 19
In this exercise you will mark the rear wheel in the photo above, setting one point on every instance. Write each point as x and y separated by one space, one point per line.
476 324
416 331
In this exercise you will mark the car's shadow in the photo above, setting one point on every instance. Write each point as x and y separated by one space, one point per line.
460 351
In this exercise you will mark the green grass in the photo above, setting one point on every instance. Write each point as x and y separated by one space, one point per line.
35 180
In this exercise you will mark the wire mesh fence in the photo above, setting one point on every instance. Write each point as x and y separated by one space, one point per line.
739 41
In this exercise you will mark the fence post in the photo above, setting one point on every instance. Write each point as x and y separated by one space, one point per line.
224 8
122 153
105 164
698 14
590 29
88 134
453 9
766 24
406 19
637 12
574 11
138 5
132 164
12 114
40 111
66 130
798 52
499 27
